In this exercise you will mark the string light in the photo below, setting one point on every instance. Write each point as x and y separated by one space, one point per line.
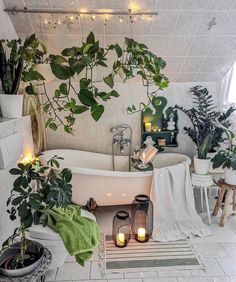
72 19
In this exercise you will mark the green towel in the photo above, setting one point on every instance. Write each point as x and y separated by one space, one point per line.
79 234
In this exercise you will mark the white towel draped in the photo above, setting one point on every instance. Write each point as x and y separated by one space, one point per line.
175 216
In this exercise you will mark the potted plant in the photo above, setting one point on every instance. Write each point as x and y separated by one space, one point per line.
35 190
227 160
17 63
202 117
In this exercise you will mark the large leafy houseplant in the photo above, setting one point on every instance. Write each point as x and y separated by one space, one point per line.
227 159
136 60
35 190
208 124
73 98
17 62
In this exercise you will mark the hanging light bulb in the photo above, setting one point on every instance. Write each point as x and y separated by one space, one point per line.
93 17
45 21
143 17
121 19
135 19
150 18
58 21
71 18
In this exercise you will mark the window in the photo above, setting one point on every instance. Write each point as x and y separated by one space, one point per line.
232 87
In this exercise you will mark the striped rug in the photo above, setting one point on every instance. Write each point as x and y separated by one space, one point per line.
149 256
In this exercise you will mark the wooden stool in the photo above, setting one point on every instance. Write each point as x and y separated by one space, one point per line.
228 193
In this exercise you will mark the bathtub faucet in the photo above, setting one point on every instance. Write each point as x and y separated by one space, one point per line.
120 140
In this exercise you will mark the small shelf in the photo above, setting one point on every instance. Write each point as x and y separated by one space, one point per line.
160 132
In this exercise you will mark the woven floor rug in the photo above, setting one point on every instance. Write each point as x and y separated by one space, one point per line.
149 256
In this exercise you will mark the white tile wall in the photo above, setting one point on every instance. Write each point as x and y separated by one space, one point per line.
179 27
96 136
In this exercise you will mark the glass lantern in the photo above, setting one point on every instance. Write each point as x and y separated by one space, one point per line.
121 229
142 218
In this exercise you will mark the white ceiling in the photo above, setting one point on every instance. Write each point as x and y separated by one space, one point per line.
179 33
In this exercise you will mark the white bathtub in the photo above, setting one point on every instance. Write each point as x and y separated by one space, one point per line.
93 175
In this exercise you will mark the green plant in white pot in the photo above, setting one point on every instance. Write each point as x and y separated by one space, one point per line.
202 116
17 63
227 160
35 190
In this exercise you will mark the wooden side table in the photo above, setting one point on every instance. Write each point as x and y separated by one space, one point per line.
228 194
203 182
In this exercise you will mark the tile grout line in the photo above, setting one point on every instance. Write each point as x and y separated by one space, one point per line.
218 35
174 29
151 27
191 44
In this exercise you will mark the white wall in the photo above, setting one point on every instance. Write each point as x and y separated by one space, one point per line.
7 30
95 136
23 126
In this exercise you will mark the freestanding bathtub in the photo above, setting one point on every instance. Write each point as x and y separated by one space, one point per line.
93 175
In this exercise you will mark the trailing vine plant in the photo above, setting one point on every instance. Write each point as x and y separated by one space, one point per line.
71 98
137 60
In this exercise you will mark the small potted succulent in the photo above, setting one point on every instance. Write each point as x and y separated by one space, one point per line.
17 63
227 160
35 190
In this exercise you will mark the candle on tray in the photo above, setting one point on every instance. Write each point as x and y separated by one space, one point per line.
141 234
120 240
148 126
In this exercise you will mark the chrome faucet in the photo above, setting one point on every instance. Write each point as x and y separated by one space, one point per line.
119 139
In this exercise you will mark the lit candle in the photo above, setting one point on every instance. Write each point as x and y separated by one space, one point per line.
148 126
141 234
120 239
28 158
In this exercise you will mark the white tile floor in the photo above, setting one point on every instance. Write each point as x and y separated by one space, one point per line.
218 252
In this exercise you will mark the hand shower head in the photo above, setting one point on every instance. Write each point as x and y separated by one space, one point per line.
120 127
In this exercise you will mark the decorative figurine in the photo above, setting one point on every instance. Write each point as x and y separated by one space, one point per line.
149 140
171 122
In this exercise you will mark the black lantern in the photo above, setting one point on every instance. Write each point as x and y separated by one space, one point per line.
121 229
142 218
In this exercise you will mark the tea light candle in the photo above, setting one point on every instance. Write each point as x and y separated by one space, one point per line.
120 240
141 234
148 126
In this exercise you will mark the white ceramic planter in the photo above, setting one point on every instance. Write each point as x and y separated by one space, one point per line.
201 166
11 105
230 176
45 70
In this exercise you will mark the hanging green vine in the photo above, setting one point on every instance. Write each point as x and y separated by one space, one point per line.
135 59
